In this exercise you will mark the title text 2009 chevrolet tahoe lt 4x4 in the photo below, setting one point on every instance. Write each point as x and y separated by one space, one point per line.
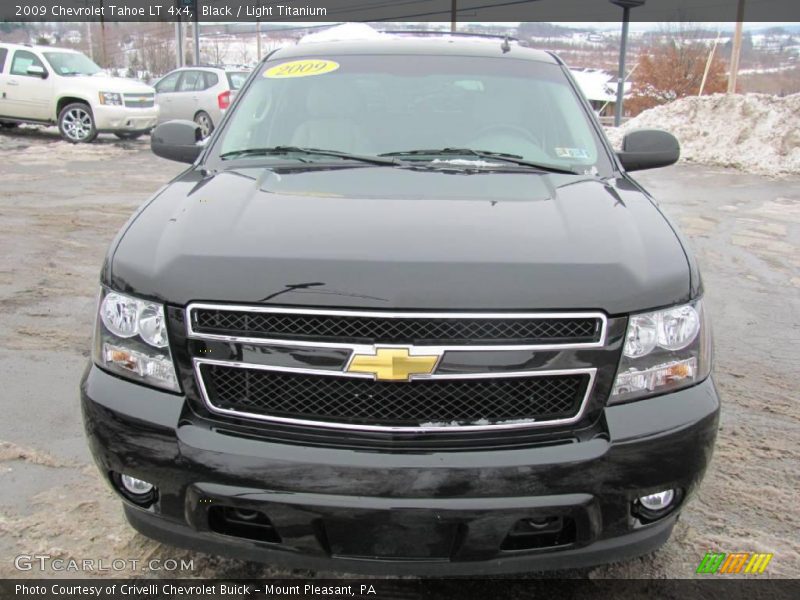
406 312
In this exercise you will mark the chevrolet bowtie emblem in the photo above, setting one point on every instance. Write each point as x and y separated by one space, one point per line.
392 364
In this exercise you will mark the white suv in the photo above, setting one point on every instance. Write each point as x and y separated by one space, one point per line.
46 86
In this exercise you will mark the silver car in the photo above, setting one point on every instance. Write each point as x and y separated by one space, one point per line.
200 94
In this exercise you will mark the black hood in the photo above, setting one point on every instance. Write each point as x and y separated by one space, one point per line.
398 238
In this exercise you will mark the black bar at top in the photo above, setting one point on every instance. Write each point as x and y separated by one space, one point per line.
589 11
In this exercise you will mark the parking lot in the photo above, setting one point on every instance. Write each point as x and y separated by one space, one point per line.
60 206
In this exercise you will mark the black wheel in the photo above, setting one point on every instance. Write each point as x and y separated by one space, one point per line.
8 125
76 123
129 135
203 119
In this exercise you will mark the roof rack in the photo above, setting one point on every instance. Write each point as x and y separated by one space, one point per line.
498 36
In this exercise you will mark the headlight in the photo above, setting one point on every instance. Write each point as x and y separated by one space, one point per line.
664 350
111 98
152 326
641 337
678 327
131 340
120 315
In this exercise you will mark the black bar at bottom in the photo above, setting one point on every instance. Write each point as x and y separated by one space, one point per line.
711 587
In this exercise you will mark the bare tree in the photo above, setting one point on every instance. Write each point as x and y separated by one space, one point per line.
244 51
214 52
671 66
155 47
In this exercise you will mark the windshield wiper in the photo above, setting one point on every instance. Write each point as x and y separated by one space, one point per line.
282 150
485 154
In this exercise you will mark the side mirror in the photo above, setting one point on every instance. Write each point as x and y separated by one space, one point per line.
37 71
649 149
177 140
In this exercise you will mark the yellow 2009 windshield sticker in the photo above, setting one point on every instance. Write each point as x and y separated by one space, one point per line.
301 68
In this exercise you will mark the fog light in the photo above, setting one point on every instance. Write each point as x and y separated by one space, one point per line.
245 515
658 501
137 487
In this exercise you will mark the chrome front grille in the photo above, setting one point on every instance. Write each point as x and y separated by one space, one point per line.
139 100
397 328
326 389
426 404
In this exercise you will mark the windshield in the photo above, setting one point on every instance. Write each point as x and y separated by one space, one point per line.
391 105
71 63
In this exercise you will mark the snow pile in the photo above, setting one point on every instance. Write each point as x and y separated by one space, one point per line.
345 31
756 133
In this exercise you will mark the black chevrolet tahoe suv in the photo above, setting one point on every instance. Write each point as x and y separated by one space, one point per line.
406 312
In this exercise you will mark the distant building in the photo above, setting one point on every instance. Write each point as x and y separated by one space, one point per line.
44 38
600 88
73 37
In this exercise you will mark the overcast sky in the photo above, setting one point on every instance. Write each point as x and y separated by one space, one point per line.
650 26
634 26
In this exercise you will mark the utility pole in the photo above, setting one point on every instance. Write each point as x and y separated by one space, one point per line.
103 51
89 38
453 16
708 64
626 5
737 48
89 34
188 8
196 38
623 48
258 40
178 44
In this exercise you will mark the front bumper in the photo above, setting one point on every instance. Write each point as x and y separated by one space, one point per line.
432 513
124 118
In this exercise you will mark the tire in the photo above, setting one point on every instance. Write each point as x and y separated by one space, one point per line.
203 119
76 123
8 125
129 135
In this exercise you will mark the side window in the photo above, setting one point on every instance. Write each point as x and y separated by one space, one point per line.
190 80
22 60
211 79
3 53
168 84
236 79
